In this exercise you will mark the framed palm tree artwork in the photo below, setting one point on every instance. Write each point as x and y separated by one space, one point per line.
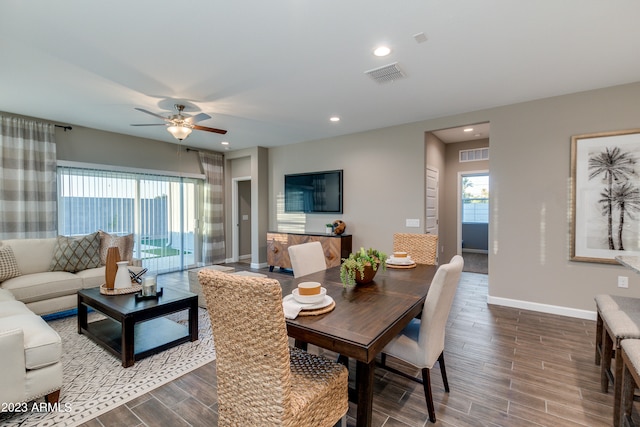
605 196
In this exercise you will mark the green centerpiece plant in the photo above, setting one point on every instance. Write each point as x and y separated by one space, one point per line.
362 266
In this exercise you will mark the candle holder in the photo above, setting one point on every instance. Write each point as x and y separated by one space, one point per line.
149 289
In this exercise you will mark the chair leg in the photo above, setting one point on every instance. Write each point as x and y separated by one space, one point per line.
605 360
426 383
443 370
383 359
598 338
52 397
343 360
626 404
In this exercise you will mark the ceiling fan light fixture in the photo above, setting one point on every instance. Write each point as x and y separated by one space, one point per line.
179 132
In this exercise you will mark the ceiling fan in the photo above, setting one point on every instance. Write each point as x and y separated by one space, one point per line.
179 125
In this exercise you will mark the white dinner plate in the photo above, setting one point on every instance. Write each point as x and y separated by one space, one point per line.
326 301
400 261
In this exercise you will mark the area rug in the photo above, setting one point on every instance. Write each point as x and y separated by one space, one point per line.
95 382
475 262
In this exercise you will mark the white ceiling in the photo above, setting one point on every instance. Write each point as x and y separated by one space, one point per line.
464 133
273 72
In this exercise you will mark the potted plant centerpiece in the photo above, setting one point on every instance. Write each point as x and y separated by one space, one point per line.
362 266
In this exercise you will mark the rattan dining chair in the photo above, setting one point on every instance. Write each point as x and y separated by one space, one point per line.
421 343
307 258
423 248
261 380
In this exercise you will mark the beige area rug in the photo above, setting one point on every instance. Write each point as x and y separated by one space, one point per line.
95 382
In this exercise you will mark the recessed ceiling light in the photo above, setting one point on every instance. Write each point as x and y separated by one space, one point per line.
382 51
224 143
334 119
468 129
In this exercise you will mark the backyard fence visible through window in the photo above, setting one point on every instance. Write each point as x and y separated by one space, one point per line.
161 211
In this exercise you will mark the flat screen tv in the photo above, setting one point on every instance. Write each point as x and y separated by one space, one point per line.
314 192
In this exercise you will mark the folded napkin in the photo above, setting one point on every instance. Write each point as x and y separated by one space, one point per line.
291 307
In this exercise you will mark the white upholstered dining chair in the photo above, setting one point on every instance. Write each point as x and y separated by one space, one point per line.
421 343
307 258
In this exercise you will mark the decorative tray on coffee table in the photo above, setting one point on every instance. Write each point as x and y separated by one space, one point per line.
140 297
120 291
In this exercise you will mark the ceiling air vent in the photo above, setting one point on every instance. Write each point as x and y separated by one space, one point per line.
388 73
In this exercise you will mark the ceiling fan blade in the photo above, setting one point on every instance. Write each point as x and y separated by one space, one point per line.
153 114
154 124
214 130
197 118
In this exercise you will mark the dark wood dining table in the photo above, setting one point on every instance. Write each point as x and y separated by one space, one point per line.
364 320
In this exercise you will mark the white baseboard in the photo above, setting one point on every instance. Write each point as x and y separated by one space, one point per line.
543 308
259 265
475 251
252 264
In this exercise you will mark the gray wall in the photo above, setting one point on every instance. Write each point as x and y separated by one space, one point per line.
530 191
383 183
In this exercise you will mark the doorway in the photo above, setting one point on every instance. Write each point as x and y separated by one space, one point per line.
241 214
474 219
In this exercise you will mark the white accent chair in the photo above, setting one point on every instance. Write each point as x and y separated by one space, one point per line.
307 258
421 342
30 352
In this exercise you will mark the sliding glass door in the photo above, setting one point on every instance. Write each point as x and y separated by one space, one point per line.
161 211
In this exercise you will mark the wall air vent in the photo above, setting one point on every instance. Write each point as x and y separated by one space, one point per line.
474 155
388 73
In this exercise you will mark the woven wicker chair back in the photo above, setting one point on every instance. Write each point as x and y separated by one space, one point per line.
423 248
252 350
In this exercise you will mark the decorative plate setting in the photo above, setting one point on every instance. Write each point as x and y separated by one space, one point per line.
400 261
324 302
309 299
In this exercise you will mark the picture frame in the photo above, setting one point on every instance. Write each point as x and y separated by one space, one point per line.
605 196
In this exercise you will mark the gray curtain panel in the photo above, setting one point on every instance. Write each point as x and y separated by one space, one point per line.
27 179
213 248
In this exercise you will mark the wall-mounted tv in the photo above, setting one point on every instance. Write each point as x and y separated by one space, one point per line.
314 192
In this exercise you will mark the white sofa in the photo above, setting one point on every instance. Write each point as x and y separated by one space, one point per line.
45 291
30 352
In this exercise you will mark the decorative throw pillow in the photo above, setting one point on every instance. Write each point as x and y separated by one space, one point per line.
76 253
8 264
123 243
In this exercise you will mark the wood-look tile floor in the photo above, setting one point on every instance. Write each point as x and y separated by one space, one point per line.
506 367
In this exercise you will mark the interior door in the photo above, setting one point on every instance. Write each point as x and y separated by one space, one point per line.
244 219
431 214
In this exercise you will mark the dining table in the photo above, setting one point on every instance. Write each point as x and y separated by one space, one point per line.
365 319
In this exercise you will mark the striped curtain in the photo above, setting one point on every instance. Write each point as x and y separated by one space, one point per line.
213 249
27 179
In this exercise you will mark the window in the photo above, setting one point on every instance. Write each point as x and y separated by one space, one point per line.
475 199
161 211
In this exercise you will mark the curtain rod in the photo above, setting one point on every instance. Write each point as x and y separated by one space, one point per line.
66 128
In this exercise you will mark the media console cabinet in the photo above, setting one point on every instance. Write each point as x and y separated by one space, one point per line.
335 247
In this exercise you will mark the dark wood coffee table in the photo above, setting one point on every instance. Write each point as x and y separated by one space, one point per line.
137 329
